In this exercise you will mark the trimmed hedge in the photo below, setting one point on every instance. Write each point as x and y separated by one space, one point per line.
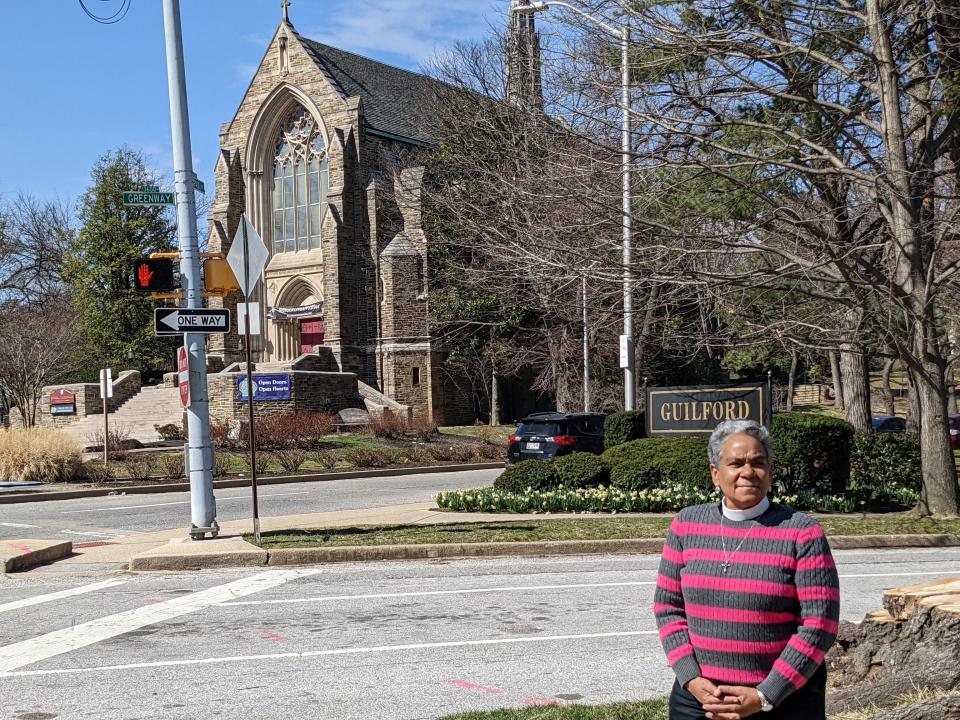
623 427
581 470
884 461
811 453
536 474
645 464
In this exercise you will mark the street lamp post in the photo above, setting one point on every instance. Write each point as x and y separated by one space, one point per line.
628 361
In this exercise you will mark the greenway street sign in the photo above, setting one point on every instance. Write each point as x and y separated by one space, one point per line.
199 186
148 198
178 321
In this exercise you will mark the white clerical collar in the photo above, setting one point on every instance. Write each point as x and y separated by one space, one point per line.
749 514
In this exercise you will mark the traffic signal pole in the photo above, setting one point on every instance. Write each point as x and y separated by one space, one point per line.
203 505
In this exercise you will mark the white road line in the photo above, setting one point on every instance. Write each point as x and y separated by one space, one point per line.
50 597
18 525
426 593
896 574
323 653
63 641
108 536
108 508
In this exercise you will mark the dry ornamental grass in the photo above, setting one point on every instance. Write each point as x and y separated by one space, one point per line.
38 454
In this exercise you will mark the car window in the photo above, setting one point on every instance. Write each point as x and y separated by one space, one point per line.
595 425
540 428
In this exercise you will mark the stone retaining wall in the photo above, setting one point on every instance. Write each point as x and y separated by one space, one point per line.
88 402
309 390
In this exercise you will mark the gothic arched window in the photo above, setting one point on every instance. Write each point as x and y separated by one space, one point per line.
301 177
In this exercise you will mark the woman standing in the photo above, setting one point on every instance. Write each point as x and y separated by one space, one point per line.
747 597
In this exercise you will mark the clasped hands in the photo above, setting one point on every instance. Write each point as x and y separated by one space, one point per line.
724 702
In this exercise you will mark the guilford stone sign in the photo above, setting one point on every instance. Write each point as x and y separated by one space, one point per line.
696 411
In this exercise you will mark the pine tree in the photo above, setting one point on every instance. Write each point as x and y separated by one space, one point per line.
116 319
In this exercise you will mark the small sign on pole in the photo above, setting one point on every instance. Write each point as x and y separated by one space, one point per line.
106 392
183 375
254 317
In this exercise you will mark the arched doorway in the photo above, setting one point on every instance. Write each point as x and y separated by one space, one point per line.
297 319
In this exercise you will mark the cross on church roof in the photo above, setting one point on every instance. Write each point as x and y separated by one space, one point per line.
286 10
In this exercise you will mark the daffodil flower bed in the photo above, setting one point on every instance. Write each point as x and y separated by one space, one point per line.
666 498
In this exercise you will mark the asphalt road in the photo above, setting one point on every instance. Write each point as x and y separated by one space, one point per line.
396 641
103 518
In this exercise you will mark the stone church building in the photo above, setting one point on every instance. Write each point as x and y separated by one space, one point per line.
325 156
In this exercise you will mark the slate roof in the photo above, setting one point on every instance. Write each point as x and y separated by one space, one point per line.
400 246
395 101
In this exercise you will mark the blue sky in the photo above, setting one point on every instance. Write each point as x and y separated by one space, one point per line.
73 89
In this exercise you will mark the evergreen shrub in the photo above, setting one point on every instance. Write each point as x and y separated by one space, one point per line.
885 461
536 474
811 453
623 427
581 470
647 463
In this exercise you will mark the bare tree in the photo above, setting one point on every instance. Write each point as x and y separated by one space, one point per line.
36 345
33 237
837 121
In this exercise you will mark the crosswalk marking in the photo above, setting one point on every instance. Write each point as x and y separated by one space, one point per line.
50 597
27 652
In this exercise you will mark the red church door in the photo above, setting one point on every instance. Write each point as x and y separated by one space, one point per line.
311 335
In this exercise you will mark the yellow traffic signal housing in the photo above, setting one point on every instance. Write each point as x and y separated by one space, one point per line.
218 278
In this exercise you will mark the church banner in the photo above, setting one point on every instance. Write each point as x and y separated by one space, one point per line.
694 411
295 313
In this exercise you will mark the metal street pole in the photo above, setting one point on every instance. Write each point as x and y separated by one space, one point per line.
251 431
629 372
623 34
586 348
203 504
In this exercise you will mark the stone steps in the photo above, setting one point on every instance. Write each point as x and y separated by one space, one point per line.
137 417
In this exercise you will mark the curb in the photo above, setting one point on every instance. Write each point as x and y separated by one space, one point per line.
378 553
26 497
26 556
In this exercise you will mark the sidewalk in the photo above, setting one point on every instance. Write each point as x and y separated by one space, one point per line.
174 551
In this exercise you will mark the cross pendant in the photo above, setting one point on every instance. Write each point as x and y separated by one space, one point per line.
725 567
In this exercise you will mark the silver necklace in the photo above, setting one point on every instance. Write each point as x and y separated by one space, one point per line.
727 559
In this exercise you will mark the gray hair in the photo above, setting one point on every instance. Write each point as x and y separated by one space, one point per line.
738 427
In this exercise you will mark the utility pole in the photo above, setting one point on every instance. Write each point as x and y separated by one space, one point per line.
203 505
586 347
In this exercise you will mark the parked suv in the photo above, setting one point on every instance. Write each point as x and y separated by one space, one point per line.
546 435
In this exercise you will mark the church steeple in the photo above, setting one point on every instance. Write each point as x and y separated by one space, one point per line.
524 85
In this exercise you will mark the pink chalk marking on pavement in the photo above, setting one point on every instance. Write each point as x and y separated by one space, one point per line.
21 548
467 685
273 636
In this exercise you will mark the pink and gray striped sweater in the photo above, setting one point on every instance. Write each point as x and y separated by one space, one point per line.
763 615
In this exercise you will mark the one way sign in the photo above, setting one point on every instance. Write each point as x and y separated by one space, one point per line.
179 321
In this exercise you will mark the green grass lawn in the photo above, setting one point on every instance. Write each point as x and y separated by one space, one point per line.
499 432
646 710
605 528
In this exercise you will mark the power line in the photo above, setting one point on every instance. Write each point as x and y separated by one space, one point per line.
119 15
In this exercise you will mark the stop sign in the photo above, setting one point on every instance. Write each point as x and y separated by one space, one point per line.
183 370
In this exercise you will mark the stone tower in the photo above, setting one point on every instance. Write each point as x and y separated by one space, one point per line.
524 84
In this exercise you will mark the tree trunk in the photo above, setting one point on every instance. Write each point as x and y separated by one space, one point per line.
837 380
494 398
913 405
856 388
941 496
887 390
791 381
